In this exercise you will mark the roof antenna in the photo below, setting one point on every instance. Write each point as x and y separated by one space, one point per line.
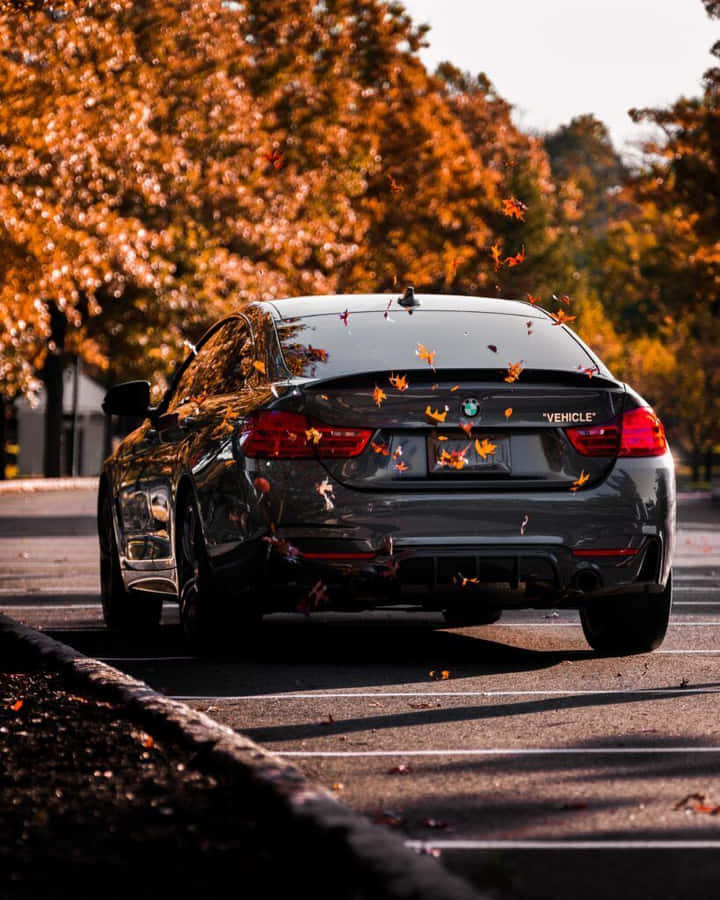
409 299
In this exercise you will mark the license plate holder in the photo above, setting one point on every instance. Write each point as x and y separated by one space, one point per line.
442 455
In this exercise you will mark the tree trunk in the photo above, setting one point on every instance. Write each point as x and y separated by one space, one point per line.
52 376
695 465
3 436
709 464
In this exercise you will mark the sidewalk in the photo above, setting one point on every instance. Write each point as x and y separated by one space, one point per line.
108 789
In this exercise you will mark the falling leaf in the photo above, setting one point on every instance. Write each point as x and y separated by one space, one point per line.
441 675
434 387
259 365
148 742
16 706
436 415
563 298
485 448
466 427
345 316
455 459
400 769
514 209
583 477
398 451
379 395
327 492
508 412
399 382
383 449
496 253
394 186
559 318
313 436
519 257
401 466
275 158
442 437
455 388
534 300
523 526
492 348
426 354
514 370
462 581
261 484
589 371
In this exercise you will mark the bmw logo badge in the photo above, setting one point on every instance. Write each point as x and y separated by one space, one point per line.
470 407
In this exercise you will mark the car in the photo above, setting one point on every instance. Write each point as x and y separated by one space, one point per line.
465 455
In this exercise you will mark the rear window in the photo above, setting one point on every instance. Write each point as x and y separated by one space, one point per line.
325 346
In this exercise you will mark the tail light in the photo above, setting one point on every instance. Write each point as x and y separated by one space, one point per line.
273 434
637 432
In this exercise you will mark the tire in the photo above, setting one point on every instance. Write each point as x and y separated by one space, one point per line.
632 624
123 610
208 617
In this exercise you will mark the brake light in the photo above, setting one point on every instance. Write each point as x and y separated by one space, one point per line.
642 434
274 434
637 432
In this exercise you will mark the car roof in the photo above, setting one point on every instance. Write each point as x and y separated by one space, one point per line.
333 304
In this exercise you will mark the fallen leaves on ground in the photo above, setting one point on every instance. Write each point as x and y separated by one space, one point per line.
401 769
439 674
696 803
436 823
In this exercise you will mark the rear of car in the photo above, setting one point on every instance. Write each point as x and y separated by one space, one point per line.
463 454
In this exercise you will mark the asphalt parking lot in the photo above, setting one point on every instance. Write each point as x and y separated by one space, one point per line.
533 763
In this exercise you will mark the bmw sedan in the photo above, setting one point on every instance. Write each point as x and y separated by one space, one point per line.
458 454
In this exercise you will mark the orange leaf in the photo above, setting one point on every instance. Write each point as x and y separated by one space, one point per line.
436 414
533 300
394 186
401 466
259 365
514 370
559 318
455 388
508 412
563 298
519 257
383 449
514 209
467 427
496 253
485 448
399 382
426 354
582 478
379 395
16 706
312 435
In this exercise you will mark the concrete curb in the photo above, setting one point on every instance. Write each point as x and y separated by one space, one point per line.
30 485
381 866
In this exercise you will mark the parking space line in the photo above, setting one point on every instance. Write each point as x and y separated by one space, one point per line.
560 844
111 659
330 695
505 751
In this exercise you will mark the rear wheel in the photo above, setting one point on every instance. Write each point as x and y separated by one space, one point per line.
122 609
632 624
209 618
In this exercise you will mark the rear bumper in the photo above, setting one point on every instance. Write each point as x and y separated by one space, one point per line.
512 550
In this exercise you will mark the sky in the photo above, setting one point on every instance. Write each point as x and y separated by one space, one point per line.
555 59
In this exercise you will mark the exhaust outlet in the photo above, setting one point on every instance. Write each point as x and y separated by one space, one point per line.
587 581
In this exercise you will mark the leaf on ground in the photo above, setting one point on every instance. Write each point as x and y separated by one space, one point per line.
401 769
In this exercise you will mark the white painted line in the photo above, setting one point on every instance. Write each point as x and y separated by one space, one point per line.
504 751
42 607
696 603
696 590
436 695
565 845
682 652
677 623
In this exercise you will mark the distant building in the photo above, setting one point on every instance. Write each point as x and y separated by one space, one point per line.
90 429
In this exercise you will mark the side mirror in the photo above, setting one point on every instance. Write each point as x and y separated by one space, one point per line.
129 399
